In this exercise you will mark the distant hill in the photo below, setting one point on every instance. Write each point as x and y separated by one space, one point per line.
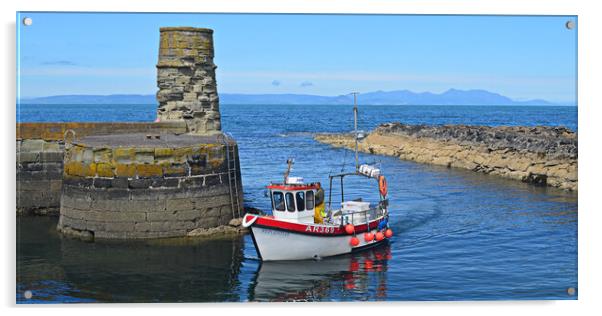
398 97
94 99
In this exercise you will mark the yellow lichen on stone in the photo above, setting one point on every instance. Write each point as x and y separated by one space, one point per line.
174 170
90 169
104 170
149 170
163 153
216 151
102 155
125 170
74 168
121 154
216 163
182 153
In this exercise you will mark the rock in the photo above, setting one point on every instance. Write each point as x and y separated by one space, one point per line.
84 235
215 231
235 222
538 155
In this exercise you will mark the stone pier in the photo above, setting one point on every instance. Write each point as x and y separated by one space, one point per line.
131 186
175 177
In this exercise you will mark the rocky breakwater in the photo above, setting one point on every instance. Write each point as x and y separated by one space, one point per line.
538 155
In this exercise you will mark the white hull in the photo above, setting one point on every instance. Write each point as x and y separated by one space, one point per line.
275 244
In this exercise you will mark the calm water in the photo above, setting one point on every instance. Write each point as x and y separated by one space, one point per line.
458 235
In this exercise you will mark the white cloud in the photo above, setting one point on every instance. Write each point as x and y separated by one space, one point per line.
87 71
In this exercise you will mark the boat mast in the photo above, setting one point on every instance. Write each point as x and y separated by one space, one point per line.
357 166
289 162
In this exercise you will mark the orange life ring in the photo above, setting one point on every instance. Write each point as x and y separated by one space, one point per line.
382 185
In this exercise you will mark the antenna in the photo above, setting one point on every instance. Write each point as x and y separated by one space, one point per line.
357 166
289 162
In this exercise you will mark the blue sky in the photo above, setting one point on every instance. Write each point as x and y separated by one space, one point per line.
522 57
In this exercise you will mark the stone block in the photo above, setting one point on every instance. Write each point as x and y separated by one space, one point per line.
122 216
153 194
52 146
94 225
181 154
208 222
157 182
116 194
179 205
119 182
145 155
149 170
101 234
103 155
73 223
158 226
88 155
74 168
192 182
213 180
163 153
32 145
142 227
51 156
103 183
187 215
125 170
32 166
139 183
124 155
24 157
119 226
151 205
175 170
104 170
56 185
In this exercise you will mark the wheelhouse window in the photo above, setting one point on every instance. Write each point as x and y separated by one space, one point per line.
290 202
278 201
310 201
300 201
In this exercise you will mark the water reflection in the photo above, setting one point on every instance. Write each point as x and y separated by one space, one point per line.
352 276
62 269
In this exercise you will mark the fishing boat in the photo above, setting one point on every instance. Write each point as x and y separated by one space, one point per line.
304 225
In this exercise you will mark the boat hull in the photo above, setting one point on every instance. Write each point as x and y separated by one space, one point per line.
276 244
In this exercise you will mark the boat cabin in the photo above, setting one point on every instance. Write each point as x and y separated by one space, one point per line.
294 200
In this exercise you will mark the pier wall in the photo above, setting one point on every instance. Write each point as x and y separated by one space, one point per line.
179 176
164 187
39 157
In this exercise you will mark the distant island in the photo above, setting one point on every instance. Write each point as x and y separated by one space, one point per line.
398 97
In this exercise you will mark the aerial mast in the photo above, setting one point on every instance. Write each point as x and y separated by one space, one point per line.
289 163
357 166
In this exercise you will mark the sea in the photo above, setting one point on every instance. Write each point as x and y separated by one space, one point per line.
458 235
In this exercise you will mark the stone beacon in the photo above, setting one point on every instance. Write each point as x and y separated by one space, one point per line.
158 182
186 79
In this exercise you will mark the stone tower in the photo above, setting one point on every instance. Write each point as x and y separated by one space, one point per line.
186 79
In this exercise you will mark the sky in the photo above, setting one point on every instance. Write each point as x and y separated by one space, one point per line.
522 57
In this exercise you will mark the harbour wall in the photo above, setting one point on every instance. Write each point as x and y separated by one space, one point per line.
40 149
131 186
179 176
545 156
